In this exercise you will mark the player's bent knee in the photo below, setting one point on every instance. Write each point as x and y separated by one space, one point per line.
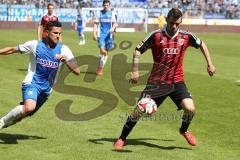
190 109
188 105
103 52
29 108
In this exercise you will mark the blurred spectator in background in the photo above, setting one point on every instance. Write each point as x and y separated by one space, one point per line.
49 17
161 21
80 24
190 8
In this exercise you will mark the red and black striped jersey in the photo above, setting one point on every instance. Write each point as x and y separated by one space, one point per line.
168 53
44 20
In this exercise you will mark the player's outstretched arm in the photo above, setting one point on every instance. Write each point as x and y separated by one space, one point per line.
135 62
95 31
75 25
84 23
210 68
71 64
39 29
115 25
8 50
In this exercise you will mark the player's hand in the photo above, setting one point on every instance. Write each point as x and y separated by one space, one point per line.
60 57
211 69
111 30
134 77
95 37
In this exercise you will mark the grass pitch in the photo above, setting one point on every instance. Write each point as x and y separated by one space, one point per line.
54 133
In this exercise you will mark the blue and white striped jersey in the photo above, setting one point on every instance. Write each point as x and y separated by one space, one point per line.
105 20
80 20
43 67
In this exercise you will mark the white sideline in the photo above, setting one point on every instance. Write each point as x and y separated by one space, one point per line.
90 29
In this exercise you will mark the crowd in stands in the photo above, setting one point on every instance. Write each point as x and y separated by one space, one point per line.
196 8
230 8
43 3
191 8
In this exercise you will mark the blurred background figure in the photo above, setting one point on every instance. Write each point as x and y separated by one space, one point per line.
104 26
161 21
80 24
49 17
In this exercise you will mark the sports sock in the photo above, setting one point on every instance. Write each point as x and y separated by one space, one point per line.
105 60
102 60
14 115
82 37
186 120
127 128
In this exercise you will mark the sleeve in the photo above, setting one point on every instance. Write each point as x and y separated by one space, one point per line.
194 41
67 53
84 19
28 47
96 17
146 43
114 17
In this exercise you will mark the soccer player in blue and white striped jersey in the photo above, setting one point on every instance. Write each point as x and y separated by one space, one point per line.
105 24
80 24
46 59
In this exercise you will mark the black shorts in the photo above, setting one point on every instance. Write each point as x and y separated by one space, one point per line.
179 93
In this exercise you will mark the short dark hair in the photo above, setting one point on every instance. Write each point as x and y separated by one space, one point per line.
106 1
175 13
50 25
50 4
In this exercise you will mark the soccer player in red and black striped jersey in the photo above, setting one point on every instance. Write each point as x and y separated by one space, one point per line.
168 49
49 17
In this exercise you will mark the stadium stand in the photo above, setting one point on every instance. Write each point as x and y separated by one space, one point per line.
220 9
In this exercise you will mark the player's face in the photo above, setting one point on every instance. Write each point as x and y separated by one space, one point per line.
106 6
55 34
50 9
173 25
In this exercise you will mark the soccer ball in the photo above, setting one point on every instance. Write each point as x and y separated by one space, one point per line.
147 106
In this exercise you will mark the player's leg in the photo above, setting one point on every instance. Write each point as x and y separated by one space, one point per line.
12 117
107 45
189 110
127 128
102 55
79 30
183 100
41 99
132 120
82 38
104 58
29 97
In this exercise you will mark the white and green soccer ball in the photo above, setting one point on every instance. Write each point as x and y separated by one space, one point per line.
147 106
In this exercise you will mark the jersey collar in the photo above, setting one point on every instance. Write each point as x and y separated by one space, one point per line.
165 30
51 15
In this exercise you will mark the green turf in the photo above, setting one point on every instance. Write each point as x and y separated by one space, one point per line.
45 136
